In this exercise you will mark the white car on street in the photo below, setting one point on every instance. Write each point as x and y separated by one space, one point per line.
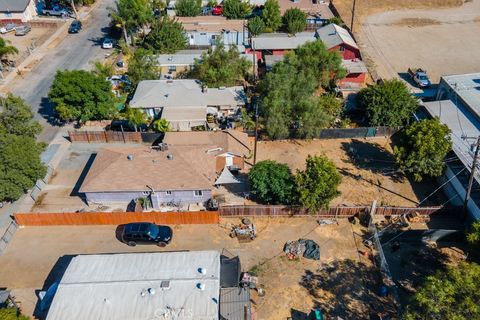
107 43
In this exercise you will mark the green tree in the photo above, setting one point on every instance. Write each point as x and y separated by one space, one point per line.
5 49
289 104
473 236
11 313
295 20
188 8
450 294
81 95
131 15
422 147
161 125
388 104
256 26
235 9
167 36
271 16
142 66
317 184
314 57
271 182
20 165
220 67
17 117
104 70
135 117
336 20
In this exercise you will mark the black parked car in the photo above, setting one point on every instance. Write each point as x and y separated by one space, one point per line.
146 233
75 27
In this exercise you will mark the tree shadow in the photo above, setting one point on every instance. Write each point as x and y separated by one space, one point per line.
348 289
47 111
371 156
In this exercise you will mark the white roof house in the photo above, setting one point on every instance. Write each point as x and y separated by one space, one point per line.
179 58
333 35
281 41
184 93
161 285
462 88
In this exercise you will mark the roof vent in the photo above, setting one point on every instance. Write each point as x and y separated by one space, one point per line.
151 291
202 271
170 156
169 81
130 157
170 58
201 286
222 88
165 285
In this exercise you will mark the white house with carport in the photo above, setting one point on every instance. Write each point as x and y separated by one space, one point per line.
185 103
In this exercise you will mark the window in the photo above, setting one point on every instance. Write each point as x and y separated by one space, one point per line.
198 193
213 37
168 193
341 49
172 68
146 193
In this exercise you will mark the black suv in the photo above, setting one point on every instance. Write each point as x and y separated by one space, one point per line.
145 233
75 27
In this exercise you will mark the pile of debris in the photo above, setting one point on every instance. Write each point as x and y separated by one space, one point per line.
302 247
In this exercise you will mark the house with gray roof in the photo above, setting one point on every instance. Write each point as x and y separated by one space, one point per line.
458 107
337 38
180 62
17 11
185 103
155 285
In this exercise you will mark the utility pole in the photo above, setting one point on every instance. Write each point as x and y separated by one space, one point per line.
472 176
256 134
353 15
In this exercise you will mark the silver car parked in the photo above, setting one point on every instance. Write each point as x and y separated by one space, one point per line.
22 30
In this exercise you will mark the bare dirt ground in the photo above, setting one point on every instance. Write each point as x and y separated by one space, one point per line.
435 39
366 165
365 8
37 255
25 44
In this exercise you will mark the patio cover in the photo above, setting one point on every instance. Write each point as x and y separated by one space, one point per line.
226 177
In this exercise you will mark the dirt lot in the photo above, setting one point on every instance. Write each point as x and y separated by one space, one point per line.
33 39
438 40
366 8
366 165
291 286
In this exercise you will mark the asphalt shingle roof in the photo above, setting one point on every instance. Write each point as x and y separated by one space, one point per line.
13 5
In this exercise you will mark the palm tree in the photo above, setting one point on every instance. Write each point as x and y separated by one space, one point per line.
5 49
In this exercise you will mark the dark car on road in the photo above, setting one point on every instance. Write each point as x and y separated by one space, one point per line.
146 233
75 27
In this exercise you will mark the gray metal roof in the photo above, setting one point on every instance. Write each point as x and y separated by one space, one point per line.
281 41
333 35
354 66
139 286
467 87
178 59
233 302
13 5
184 93
462 123
4 295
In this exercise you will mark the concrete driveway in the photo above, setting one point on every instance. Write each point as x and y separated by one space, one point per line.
443 41
76 51
37 255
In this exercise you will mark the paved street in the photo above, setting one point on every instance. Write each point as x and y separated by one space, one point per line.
76 51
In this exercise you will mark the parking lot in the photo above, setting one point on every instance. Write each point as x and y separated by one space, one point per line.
37 255
438 40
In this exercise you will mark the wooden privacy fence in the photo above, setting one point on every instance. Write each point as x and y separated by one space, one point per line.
116 218
104 136
339 212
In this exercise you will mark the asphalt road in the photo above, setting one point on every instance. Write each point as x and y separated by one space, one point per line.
76 51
